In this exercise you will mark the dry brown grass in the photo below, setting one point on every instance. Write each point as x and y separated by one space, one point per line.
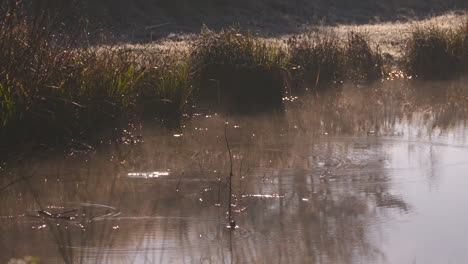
433 52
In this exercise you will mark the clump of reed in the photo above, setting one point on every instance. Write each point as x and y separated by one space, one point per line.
110 75
435 53
48 81
316 60
322 59
37 60
165 88
234 47
238 70
463 35
363 63
31 61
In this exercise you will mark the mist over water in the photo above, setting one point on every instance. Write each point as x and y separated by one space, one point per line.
360 175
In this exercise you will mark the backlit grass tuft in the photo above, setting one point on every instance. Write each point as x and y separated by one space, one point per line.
238 72
320 60
434 53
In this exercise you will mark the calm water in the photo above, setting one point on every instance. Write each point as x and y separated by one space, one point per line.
367 183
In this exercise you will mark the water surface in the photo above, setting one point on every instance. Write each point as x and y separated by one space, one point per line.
353 184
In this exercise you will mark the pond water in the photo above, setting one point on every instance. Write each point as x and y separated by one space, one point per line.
354 183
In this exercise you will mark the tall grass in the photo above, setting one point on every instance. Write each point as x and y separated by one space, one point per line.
436 53
99 84
31 59
316 59
8 104
363 63
109 74
238 71
48 81
234 47
165 88
322 59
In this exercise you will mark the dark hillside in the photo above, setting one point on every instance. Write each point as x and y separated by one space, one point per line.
270 15
267 16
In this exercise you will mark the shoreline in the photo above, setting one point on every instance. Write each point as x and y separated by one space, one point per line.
165 79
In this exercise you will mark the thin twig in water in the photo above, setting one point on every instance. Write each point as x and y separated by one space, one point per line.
240 173
219 192
231 221
178 183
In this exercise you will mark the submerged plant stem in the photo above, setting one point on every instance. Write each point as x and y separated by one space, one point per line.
231 221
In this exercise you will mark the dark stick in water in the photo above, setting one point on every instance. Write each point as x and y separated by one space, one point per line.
232 223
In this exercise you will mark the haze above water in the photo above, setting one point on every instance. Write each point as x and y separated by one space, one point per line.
361 176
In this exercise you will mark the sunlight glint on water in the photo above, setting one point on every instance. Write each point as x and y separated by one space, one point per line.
388 192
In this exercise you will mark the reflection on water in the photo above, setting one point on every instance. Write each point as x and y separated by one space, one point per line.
366 176
154 174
